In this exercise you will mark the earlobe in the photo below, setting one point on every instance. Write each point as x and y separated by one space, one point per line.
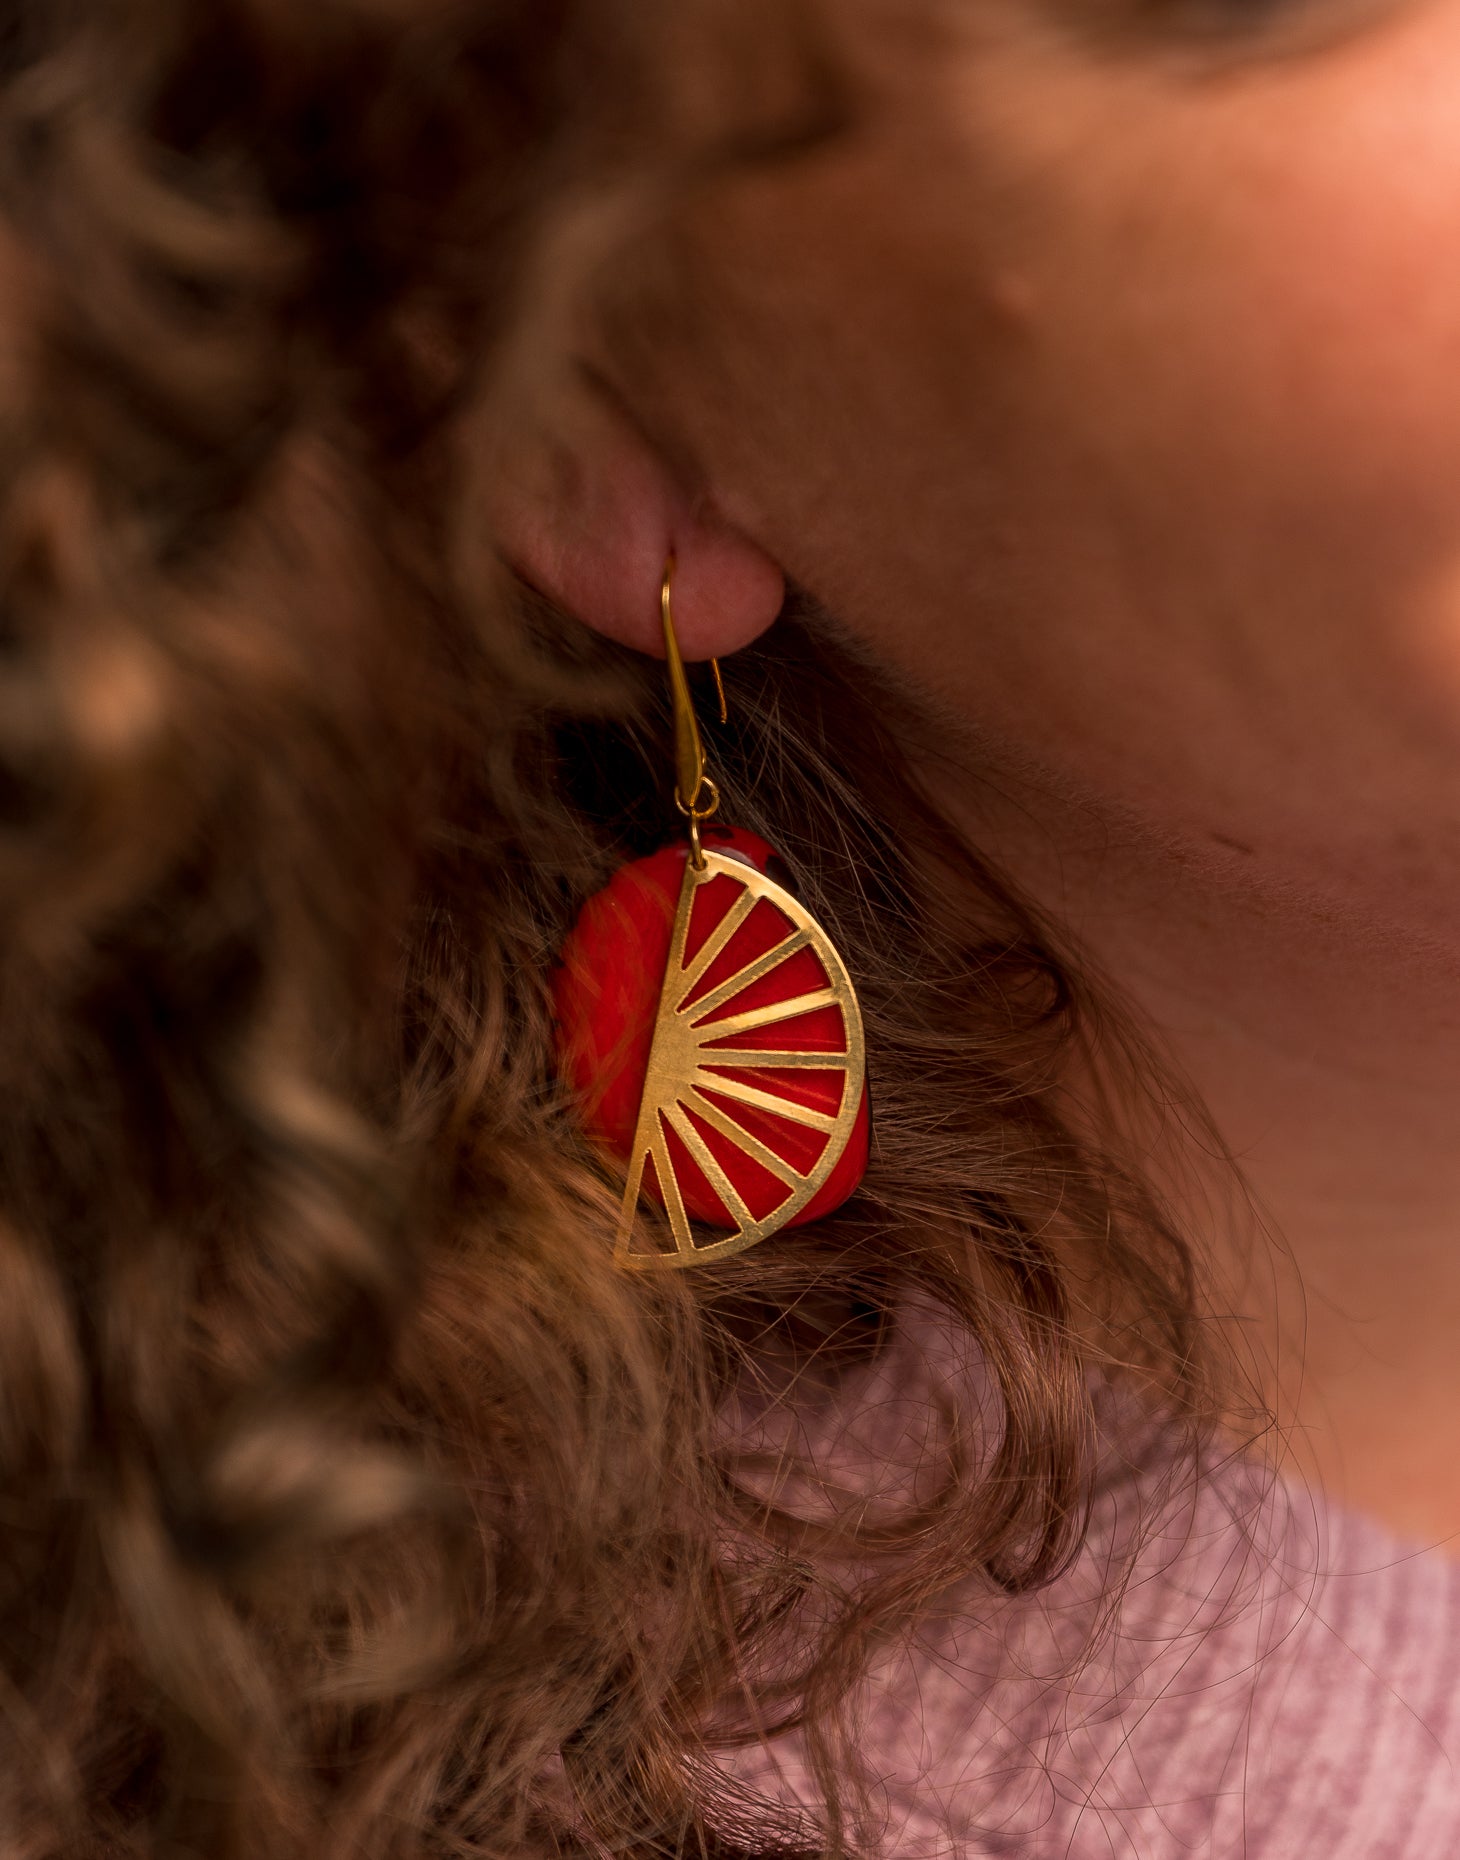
591 512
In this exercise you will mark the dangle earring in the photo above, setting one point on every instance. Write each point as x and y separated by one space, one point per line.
710 1032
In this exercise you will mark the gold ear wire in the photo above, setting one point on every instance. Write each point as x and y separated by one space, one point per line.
695 795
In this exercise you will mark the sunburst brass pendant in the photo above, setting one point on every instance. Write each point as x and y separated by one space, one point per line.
755 1081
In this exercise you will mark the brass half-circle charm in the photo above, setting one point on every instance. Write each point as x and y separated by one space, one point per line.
756 1077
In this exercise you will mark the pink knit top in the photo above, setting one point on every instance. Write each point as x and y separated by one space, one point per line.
1273 1680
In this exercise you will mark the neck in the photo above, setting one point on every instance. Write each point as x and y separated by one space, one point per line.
1325 1045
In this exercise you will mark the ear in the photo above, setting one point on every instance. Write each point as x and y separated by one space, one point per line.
589 513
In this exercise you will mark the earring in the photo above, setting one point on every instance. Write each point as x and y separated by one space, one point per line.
710 1032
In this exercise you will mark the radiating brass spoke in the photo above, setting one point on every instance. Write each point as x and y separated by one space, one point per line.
768 1101
776 1062
757 1151
669 1188
632 1187
715 943
765 1016
744 977
710 1166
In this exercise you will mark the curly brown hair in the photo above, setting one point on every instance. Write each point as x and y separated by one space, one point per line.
353 1502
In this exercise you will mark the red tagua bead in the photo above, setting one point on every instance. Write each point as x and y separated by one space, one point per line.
712 1038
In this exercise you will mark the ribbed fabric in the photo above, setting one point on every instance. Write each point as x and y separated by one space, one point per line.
1284 1684
1273 1681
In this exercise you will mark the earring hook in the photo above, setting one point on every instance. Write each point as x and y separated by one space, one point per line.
695 795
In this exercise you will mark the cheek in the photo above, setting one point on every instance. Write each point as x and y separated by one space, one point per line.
1339 390
1231 508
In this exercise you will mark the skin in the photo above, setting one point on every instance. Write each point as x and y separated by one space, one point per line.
1104 383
